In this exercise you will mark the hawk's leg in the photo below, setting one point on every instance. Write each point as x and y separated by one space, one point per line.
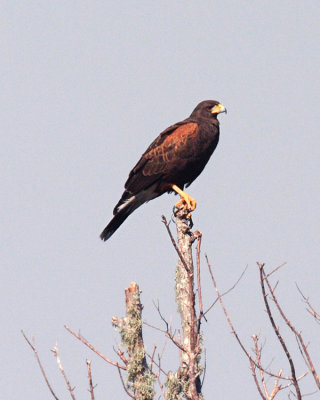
186 202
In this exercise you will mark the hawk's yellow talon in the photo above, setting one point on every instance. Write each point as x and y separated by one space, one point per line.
186 202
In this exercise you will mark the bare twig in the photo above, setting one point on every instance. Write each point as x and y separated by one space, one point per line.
310 310
164 220
157 364
204 367
255 378
258 360
167 331
161 386
276 269
121 356
227 315
227 291
276 386
124 386
160 356
168 335
84 341
40 365
90 379
55 351
180 351
158 377
199 282
152 357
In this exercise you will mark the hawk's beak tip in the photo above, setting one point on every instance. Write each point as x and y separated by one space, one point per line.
223 109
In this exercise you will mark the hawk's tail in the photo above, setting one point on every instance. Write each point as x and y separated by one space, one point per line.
127 204
119 218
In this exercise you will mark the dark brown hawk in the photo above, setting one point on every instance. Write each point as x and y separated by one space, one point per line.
174 160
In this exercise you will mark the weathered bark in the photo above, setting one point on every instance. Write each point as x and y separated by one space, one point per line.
140 380
191 369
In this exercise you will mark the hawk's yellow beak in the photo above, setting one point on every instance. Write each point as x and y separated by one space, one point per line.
219 108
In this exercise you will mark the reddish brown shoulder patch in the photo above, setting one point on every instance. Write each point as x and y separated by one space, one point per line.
175 146
181 134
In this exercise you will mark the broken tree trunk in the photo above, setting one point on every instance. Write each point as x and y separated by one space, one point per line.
139 380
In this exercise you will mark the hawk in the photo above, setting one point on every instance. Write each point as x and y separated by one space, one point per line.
171 163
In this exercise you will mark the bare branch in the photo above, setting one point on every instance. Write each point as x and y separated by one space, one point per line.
204 367
263 278
40 365
88 362
258 360
276 269
199 281
121 356
55 351
293 329
310 310
167 331
164 220
253 370
227 291
161 386
168 335
157 365
84 341
124 386
276 386
234 332
152 357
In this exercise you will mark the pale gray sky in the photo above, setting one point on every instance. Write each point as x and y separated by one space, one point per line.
85 87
